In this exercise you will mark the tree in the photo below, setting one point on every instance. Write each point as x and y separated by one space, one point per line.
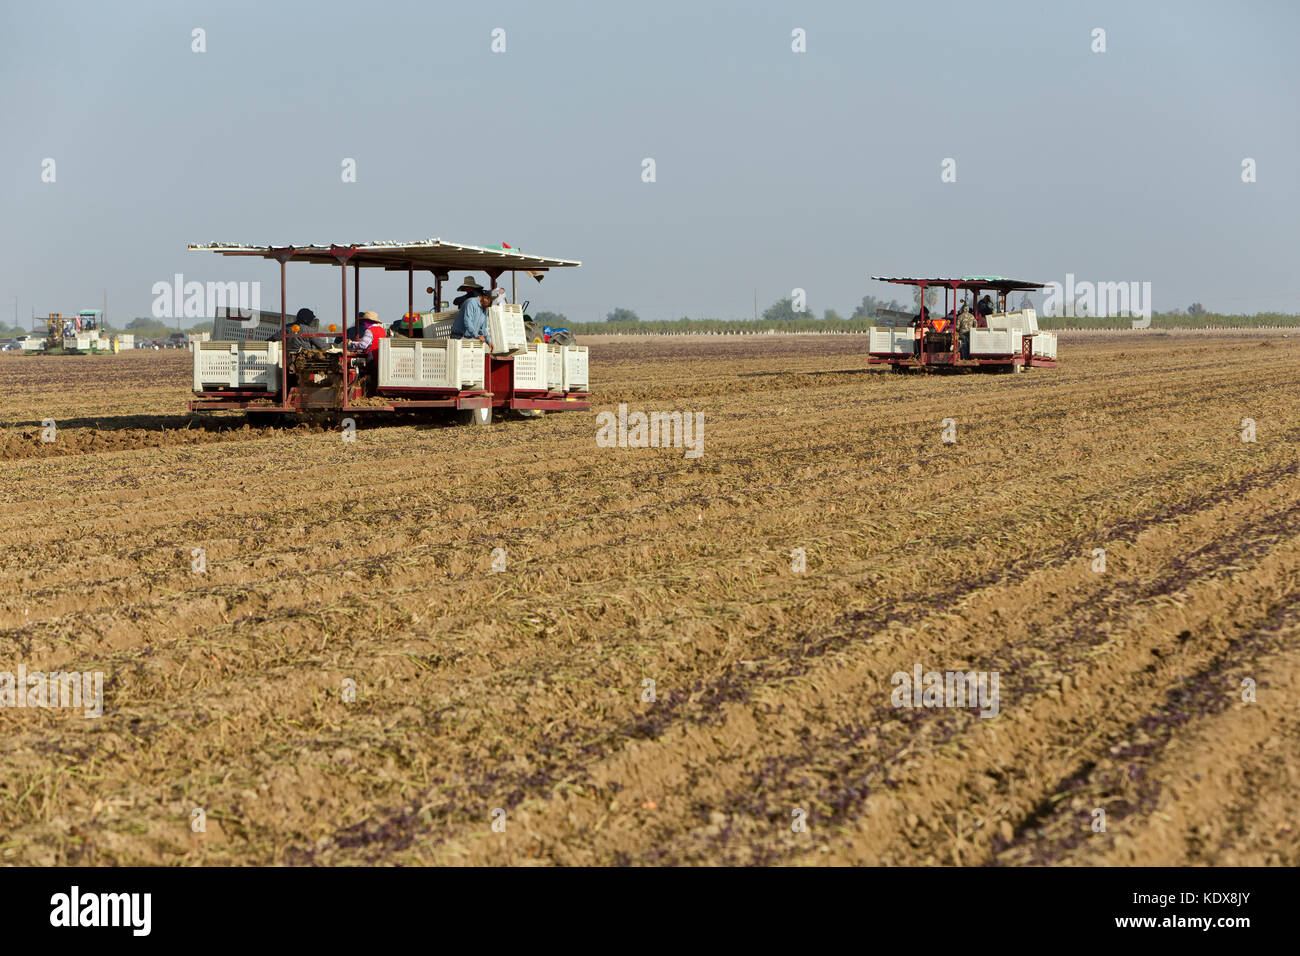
1196 309
931 298
830 315
871 306
149 328
782 310
622 315
555 320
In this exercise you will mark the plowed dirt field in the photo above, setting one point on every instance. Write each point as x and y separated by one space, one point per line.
1146 696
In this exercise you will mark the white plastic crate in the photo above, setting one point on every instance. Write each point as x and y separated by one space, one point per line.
437 325
530 367
575 368
995 341
430 363
554 367
126 341
506 328
1025 320
1045 345
399 362
469 363
237 365
258 327
890 341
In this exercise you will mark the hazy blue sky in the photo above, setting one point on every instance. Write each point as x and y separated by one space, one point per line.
775 169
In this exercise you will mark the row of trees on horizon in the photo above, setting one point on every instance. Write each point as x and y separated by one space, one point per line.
781 316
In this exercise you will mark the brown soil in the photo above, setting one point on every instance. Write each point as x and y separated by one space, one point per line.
371 561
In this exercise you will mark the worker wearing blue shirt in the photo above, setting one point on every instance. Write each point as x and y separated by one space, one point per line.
471 319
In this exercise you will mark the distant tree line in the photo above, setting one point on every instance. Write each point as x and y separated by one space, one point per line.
837 324
781 316
1176 320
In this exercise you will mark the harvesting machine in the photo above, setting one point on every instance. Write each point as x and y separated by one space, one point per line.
78 334
1002 340
249 365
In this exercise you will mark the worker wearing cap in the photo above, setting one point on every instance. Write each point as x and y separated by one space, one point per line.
471 317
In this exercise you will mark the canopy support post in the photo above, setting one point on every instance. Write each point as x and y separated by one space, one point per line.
343 287
283 256
925 324
284 342
343 254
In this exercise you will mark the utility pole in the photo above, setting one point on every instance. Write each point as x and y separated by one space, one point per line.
756 305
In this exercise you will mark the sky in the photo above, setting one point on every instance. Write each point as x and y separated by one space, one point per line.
774 170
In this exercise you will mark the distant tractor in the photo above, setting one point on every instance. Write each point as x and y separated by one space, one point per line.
1000 340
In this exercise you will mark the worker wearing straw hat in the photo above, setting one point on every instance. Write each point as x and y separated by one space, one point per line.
471 318
469 289
370 330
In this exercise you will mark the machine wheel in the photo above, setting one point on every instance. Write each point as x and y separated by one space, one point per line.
530 412
475 416
533 332
564 337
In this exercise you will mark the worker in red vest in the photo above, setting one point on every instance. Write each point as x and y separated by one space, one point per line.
369 331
